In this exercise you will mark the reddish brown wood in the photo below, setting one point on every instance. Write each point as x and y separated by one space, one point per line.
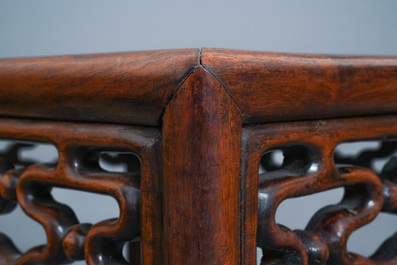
270 87
306 144
78 169
128 88
197 199
201 150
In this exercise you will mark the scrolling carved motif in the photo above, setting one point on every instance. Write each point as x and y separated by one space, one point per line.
309 167
78 168
210 115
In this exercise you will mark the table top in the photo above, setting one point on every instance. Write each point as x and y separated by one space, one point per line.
135 87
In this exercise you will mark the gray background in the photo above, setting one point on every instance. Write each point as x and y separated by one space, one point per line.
40 28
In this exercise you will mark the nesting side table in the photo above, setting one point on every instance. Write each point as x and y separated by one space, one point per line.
194 126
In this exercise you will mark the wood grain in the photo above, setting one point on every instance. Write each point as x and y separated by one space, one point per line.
139 198
201 152
127 88
270 87
201 123
306 143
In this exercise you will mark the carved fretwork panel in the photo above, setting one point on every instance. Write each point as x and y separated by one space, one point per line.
310 165
191 193
81 149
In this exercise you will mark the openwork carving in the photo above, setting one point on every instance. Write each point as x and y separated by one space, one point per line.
324 239
309 167
80 148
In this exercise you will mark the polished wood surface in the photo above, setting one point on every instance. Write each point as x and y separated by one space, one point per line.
137 193
125 88
193 127
270 87
129 88
201 134
309 167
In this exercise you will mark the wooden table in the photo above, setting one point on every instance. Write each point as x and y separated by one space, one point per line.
199 123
